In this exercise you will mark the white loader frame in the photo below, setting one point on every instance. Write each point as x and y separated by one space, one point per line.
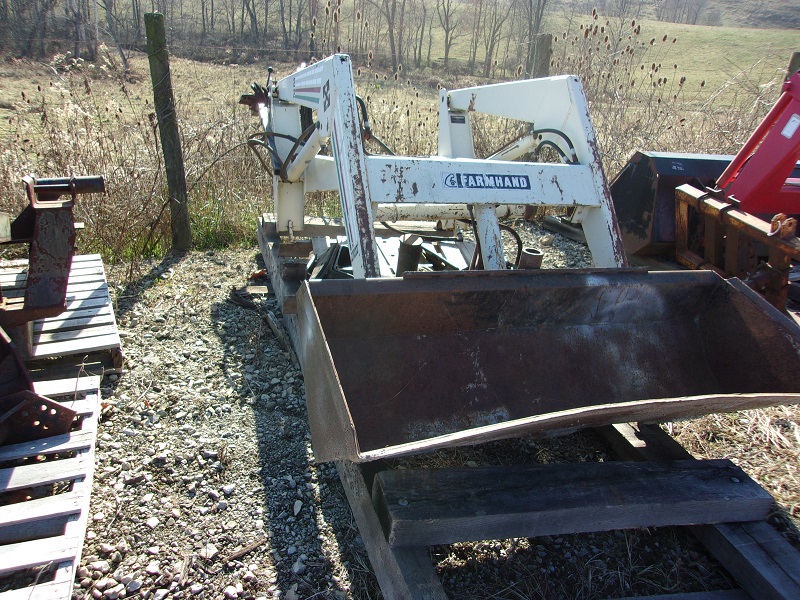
371 185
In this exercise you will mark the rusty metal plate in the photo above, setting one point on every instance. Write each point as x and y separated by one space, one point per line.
402 366
27 416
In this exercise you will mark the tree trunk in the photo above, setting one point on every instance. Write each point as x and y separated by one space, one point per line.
430 44
282 6
473 43
265 31
136 9
77 24
112 29
418 57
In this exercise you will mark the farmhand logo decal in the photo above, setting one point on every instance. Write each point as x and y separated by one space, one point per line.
487 182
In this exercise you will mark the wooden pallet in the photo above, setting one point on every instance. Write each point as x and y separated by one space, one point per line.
88 328
48 531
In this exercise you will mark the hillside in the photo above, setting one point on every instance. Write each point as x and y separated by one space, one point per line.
758 13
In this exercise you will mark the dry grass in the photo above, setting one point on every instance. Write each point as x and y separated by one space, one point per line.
75 118
642 99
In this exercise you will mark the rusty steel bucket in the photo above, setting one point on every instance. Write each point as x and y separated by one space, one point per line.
402 366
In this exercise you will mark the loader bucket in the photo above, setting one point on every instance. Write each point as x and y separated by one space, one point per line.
402 366
644 196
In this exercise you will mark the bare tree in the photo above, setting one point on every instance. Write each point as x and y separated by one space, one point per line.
497 14
626 9
477 29
29 18
249 7
534 16
680 11
108 5
450 20
694 10
394 11
421 38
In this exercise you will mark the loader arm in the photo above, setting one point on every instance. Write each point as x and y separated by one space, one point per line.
454 177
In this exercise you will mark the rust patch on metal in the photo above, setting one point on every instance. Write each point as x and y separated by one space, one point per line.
47 225
554 181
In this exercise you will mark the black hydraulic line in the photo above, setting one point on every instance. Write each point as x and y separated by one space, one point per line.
298 142
367 134
557 132
363 107
562 135
256 140
518 239
477 258
554 146
253 144
503 227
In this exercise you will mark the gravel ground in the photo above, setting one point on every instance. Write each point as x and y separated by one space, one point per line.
204 452
206 486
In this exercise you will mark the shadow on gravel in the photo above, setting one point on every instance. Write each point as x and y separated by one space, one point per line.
310 531
134 289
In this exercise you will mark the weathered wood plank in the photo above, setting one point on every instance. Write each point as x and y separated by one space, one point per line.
18 280
37 552
45 527
81 346
760 559
68 442
62 387
442 506
75 290
78 301
102 361
402 573
81 268
70 326
82 408
72 319
59 505
18 478
78 258
94 302
77 334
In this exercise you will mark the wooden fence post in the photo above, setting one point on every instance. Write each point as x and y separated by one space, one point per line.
543 51
794 64
168 130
